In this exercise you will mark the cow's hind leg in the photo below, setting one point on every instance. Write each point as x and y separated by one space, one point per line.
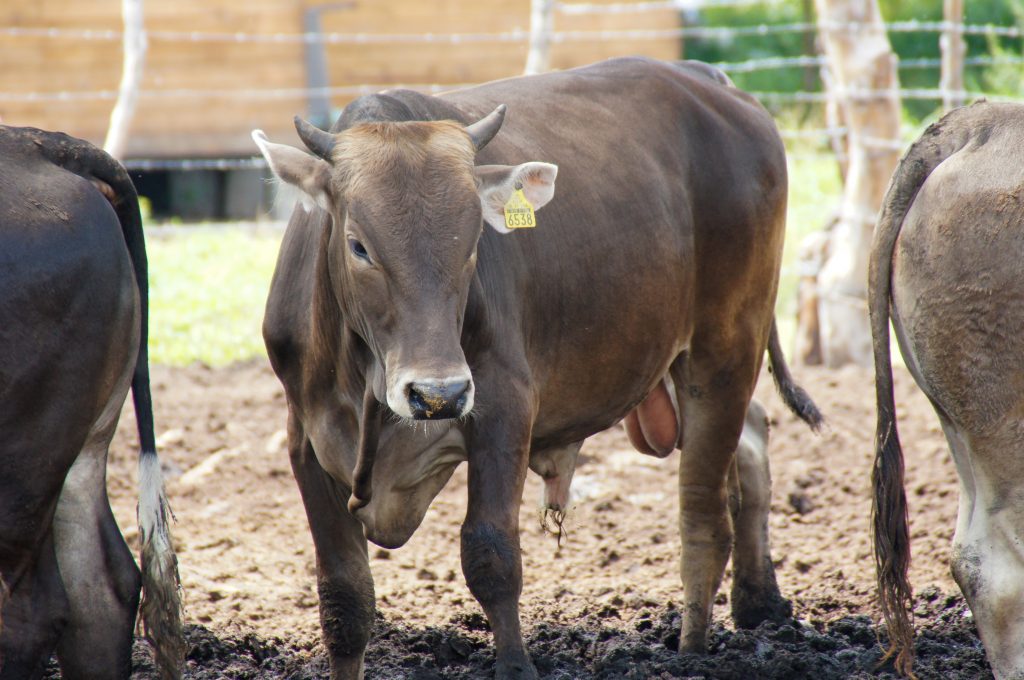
344 581
755 593
34 616
717 389
96 566
988 546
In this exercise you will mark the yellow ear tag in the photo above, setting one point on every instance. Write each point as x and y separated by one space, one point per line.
519 212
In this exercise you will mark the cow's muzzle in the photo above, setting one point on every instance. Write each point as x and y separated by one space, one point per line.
439 400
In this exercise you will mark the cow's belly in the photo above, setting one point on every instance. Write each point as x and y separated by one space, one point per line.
596 389
605 369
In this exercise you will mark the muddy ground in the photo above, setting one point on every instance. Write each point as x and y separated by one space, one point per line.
603 605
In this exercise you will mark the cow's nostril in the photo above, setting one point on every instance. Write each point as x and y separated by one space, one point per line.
457 390
437 401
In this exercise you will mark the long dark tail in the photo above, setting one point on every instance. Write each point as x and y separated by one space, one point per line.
889 507
796 398
3 601
161 606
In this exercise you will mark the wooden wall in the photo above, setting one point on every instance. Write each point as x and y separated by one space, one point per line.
211 117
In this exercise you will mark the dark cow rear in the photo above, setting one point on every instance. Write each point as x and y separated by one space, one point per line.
654 263
72 340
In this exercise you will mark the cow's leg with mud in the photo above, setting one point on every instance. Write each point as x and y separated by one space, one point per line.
755 595
718 389
344 581
491 558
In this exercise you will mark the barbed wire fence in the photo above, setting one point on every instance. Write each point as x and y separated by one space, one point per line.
542 35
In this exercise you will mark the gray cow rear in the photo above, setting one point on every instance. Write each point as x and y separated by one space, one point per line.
946 267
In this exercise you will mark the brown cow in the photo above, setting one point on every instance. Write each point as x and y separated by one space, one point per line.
946 267
411 337
73 328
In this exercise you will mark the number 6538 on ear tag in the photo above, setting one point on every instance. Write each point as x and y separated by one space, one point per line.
518 212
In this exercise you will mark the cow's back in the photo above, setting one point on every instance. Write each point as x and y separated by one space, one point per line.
668 211
669 204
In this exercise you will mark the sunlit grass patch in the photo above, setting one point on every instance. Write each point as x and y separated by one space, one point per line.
815 189
208 284
208 287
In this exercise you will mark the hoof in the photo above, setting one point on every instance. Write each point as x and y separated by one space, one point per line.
693 644
517 669
749 612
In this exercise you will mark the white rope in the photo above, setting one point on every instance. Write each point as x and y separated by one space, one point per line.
769 63
812 133
578 8
253 93
147 164
515 35
435 88
924 94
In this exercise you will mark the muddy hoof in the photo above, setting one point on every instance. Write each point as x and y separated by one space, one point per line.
515 669
693 644
750 612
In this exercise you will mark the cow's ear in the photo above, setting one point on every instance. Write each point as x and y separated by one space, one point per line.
497 183
311 175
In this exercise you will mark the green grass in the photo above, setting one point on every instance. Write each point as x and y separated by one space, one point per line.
207 287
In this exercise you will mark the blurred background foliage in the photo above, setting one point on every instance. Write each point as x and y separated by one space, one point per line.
1000 79
209 284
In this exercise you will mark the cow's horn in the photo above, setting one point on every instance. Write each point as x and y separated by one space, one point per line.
484 129
315 139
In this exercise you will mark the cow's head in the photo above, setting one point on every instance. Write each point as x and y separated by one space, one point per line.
408 205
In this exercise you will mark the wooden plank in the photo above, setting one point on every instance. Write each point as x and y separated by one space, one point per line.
191 125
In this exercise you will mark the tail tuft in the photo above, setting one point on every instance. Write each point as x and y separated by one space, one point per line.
892 544
800 403
795 397
161 606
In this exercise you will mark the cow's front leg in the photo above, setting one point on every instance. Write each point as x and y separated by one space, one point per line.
344 582
491 561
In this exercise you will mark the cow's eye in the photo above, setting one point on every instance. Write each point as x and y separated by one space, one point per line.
359 250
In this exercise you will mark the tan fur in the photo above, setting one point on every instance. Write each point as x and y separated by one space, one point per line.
366 152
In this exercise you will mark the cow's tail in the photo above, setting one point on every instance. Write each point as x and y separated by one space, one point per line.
796 398
889 507
3 601
161 606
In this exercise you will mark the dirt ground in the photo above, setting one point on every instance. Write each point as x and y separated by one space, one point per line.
604 604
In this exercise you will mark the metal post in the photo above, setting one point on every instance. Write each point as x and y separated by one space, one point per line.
541 27
318 102
953 49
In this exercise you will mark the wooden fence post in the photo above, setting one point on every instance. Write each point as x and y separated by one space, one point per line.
538 59
134 40
953 49
863 82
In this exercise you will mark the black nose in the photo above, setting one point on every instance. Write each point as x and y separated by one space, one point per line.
437 401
